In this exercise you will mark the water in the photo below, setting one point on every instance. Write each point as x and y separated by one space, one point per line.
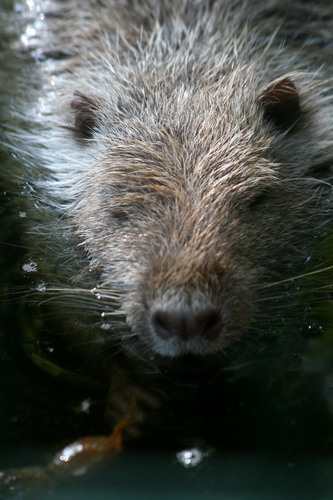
226 476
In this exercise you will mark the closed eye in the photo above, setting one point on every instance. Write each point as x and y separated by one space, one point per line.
259 199
121 216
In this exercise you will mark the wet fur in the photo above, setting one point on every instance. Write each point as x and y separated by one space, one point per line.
161 174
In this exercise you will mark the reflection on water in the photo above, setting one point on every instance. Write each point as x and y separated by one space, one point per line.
154 475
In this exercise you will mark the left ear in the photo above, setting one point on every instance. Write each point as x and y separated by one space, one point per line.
281 104
85 112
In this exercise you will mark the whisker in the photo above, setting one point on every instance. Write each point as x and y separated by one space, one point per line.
299 276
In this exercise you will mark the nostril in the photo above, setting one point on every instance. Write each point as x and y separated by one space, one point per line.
208 323
161 324
186 323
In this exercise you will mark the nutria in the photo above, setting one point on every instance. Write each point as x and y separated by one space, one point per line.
178 158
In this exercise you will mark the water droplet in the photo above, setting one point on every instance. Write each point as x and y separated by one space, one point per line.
105 326
190 458
30 267
85 405
308 259
96 293
68 452
41 287
312 329
31 4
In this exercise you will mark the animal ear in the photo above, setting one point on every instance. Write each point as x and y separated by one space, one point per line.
85 114
281 104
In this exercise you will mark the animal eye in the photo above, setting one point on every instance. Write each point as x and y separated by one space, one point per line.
120 216
259 199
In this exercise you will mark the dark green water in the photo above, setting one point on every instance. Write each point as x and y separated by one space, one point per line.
143 476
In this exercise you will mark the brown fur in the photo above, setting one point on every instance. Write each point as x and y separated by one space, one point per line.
185 150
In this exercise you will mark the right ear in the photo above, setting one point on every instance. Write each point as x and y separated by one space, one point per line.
281 104
85 114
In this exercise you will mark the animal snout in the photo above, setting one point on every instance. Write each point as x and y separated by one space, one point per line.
186 323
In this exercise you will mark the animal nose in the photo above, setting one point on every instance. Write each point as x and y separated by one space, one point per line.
186 324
